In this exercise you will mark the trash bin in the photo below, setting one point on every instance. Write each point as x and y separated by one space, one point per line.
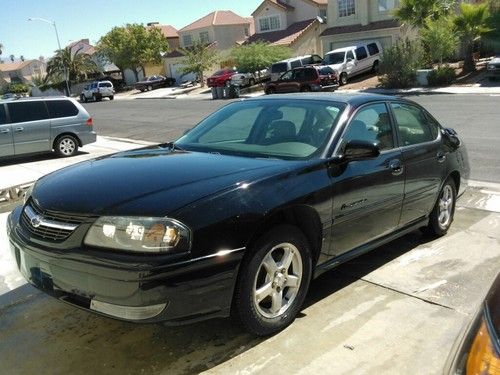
220 92
214 93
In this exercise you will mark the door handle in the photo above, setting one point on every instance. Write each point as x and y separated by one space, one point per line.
4 131
396 167
19 129
441 157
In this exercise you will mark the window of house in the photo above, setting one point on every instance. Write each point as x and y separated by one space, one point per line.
187 40
322 13
204 37
269 23
346 8
386 5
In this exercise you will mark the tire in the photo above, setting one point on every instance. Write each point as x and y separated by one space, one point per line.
376 67
83 99
270 91
279 302
142 89
343 79
150 88
66 146
94 97
442 214
251 82
111 97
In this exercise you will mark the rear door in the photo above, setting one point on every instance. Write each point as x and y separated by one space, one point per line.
106 88
64 118
423 158
362 60
30 126
6 139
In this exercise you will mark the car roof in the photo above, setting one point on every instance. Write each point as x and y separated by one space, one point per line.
34 98
352 99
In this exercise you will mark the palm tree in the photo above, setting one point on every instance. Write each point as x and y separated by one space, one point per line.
11 58
1 48
471 24
22 58
75 64
417 12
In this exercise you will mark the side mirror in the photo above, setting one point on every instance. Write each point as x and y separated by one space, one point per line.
360 150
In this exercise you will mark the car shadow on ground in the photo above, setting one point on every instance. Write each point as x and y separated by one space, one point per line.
20 160
62 339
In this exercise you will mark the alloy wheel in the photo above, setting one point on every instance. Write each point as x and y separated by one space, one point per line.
445 207
67 146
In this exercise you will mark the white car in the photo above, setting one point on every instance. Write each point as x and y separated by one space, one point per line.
98 90
353 60
242 78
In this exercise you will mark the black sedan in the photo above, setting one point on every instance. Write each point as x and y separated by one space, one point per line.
154 82
241 212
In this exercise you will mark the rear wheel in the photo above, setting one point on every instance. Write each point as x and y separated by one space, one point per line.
442 214
66 146
343 79
305 89
111 97
273 281
270 91
150 88
83 98
376 67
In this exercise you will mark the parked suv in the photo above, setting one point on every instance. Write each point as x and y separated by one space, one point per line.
98 90
309 78
354 60
34 125
221 77
280 67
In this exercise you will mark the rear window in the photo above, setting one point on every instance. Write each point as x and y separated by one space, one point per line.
61 108
278 68
27 111
310 74
105 84
3 118
361 53
373 48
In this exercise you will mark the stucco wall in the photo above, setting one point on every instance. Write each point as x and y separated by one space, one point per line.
308 43
227 36
303 11
195 35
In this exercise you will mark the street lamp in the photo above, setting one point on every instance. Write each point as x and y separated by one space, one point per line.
58 44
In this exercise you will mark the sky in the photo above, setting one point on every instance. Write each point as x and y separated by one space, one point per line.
91 19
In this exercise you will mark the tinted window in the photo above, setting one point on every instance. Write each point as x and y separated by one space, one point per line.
412 124
278 67
361 53
371 123
310 74
27 111
105 84
349 55
373 48
295 64
61 108
3 118
299 74
306 61
287 75
335 58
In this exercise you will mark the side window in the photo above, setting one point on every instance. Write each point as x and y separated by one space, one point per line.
373 49
413 126
287 75
361 53
371 123
3 117
349 55
310 74
306 61
295 64
235 128
61 108
299 74
27 111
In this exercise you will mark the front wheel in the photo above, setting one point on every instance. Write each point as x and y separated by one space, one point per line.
150 88
270 91
273 281
66 146
376 67
343 79
442 214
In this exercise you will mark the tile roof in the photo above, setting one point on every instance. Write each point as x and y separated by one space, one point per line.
13 66
179 53
283 37
387 24
217 18
167 30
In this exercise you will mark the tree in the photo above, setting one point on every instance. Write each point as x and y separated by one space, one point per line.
257 56
1 49
22 58
133 46
198 58
400 63
439 39
75 64
416 12
12 58
471 24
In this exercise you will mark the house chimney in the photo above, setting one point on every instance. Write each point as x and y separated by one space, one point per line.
152 23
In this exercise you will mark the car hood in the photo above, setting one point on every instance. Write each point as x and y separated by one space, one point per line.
337 67
150 181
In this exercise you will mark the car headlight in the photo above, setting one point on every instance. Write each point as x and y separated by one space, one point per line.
139 234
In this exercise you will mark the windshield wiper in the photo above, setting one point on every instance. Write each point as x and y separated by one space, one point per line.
173 146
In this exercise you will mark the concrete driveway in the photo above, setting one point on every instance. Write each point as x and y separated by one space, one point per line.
396 310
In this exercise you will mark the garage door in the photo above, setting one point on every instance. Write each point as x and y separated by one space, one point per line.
176 72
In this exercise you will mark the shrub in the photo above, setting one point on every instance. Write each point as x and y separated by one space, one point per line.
400 63
441 76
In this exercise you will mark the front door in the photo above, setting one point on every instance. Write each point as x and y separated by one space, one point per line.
368 194
30 126
6 140
423 159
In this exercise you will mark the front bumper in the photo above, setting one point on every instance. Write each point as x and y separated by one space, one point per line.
141 289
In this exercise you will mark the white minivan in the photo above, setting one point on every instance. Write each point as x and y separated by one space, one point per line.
353 60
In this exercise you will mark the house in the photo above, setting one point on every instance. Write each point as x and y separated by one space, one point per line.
172 36
293 23
222 30
351 21
21 71
83 46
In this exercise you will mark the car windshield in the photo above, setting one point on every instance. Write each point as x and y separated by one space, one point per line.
279 128
334 58
220 72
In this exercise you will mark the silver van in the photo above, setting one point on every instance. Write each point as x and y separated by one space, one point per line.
33 125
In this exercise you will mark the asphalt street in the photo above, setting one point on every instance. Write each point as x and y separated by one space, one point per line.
475 117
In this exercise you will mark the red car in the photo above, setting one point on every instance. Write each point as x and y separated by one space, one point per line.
220 78
307 78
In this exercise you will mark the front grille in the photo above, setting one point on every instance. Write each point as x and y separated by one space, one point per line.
57 227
